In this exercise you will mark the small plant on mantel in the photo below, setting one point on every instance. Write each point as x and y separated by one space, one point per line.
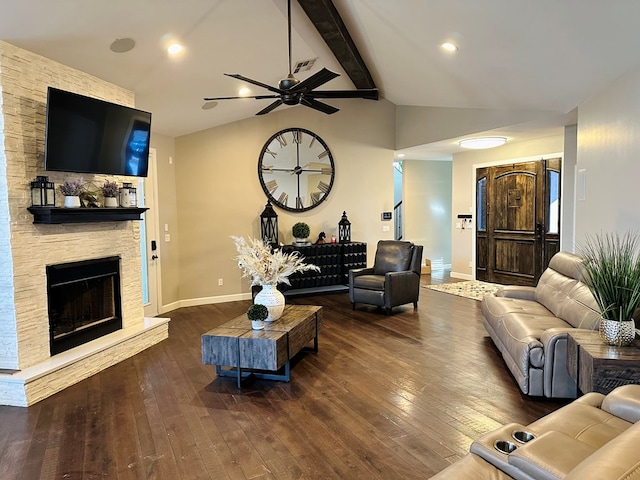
110 189
72 188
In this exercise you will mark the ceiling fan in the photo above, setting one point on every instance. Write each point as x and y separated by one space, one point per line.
291 91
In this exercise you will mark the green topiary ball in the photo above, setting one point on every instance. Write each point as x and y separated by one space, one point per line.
257 311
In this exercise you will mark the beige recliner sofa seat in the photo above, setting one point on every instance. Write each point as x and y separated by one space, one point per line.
529 326
594 437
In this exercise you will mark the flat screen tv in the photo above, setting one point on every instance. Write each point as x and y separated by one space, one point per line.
87 135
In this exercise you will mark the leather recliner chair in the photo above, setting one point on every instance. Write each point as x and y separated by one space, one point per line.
393 280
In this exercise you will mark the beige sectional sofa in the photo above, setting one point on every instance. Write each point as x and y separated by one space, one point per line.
529 326
594 437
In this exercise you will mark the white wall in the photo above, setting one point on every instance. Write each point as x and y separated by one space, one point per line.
427 207
609 154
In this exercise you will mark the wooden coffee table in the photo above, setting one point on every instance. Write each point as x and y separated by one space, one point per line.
262 353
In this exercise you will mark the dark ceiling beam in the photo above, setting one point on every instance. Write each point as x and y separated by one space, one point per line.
327 20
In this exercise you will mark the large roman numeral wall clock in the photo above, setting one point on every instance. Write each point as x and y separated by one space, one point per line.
296 169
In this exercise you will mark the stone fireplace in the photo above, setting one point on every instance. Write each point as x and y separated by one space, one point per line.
29 371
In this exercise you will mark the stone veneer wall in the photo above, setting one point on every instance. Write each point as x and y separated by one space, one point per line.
25 248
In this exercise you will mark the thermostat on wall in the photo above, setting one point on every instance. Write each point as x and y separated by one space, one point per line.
386 215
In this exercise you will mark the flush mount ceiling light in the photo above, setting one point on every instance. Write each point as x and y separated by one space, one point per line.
449 47
122 45
174 49
482 142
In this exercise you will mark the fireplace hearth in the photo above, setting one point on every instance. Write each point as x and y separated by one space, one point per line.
84 301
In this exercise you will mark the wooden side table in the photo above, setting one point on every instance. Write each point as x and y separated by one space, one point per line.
597 367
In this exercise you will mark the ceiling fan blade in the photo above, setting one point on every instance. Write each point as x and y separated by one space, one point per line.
270 107
257 97
254 82
368 93
323 107
315 80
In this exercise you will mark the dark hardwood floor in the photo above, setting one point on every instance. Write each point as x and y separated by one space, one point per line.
396 397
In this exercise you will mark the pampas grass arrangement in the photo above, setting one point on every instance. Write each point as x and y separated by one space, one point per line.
265 266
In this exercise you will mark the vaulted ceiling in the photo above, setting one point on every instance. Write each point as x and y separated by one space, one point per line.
546 56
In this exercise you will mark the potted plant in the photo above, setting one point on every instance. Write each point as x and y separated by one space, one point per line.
300 232
72 189
612 266
110 192
257 313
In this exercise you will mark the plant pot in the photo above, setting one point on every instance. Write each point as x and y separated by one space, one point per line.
110 202
273 299
71 201
257 324
617 333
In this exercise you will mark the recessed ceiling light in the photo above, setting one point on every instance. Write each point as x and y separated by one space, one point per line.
122 45
449 47
209 105
482 142
174 48
244 91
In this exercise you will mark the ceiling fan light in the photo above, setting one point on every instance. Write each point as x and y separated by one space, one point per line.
480 143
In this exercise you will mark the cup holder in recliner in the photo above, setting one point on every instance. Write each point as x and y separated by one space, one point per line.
503 446
521 436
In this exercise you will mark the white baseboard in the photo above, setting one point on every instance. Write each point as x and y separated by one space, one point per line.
463 276
194 302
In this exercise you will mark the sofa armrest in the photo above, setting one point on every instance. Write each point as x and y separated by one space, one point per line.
624 402
557 381
401 287
516 291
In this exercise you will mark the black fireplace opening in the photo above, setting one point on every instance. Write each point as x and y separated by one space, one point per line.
84 301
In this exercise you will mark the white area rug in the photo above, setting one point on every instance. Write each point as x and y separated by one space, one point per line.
474 289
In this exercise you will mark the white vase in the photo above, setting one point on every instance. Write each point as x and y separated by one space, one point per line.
273 299
257 324
618 333
71 201
110 202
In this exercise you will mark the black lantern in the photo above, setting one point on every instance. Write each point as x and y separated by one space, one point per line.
344 229
269 225
43 192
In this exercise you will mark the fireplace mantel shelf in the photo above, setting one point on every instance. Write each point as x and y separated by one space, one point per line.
49 215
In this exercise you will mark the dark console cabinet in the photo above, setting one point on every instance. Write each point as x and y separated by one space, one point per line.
334 259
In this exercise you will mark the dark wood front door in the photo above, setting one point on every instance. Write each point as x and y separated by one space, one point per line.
518 221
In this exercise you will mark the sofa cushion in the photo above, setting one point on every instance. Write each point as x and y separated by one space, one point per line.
617 460
562 292
580 308
584 421
624 402
392 256
494 308
369 282
550 456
